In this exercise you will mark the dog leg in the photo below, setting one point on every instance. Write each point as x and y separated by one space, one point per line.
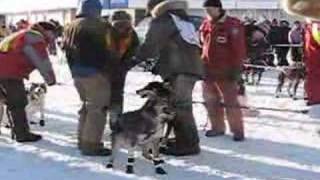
156 158
114 151
1 115
42 122
289 88
281 79
295 87
146 152
165 139
131 160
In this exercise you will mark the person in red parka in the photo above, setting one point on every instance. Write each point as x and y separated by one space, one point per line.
20 54
224 50
312 61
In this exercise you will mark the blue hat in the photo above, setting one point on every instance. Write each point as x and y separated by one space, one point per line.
89 8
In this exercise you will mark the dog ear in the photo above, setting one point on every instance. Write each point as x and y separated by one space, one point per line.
33 86
44 87
167 85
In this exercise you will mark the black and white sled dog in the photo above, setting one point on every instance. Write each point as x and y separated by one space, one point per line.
144 127
36 98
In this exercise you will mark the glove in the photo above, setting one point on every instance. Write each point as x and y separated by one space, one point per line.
50 79
131 62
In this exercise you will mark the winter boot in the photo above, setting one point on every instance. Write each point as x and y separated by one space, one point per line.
29 137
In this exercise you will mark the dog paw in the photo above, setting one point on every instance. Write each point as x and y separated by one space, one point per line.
129 170
147 156
42 123
109 166
160 170
33 122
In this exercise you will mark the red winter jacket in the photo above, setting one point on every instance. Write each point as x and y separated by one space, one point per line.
21 53
312 62
224 47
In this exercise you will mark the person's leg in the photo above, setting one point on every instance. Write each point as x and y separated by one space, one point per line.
233 111
17 101
312 86
185 129
117 98
97 99
83 110
212 97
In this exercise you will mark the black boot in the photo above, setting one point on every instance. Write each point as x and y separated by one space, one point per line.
213 133
93 149
179 151
29 137
97 152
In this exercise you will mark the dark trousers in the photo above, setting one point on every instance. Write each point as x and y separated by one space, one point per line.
16 99
117 96
185 128
296 54
282 53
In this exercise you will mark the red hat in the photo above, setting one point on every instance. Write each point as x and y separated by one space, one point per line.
212 3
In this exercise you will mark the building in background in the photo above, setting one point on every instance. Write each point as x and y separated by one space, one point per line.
64 10
240 8
38 10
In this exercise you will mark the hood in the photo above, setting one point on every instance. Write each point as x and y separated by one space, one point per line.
89 8
168 5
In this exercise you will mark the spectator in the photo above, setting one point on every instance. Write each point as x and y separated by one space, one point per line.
21 53
311 59
126 43
283 41
86 43
172 38
224 50
296 38
4 32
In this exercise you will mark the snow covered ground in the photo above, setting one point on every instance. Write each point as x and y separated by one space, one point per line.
279 145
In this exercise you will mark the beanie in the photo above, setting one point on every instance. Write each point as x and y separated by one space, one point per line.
212 3
88 8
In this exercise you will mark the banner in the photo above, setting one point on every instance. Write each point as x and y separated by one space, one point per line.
114 4
105 4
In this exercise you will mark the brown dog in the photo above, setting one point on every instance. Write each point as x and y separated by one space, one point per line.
294 74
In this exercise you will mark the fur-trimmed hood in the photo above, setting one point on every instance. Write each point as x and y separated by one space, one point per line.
306 8
167 5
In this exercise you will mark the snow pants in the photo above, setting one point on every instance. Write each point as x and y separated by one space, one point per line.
223 90
184 125
17 100
94 92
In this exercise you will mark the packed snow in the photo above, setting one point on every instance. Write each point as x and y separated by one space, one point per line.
279 145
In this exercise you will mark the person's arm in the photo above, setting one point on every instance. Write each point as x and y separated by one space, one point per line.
307 8
238 46
35 50
158 35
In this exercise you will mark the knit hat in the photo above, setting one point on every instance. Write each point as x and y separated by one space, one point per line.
212 3
151 4
89 8
120 16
